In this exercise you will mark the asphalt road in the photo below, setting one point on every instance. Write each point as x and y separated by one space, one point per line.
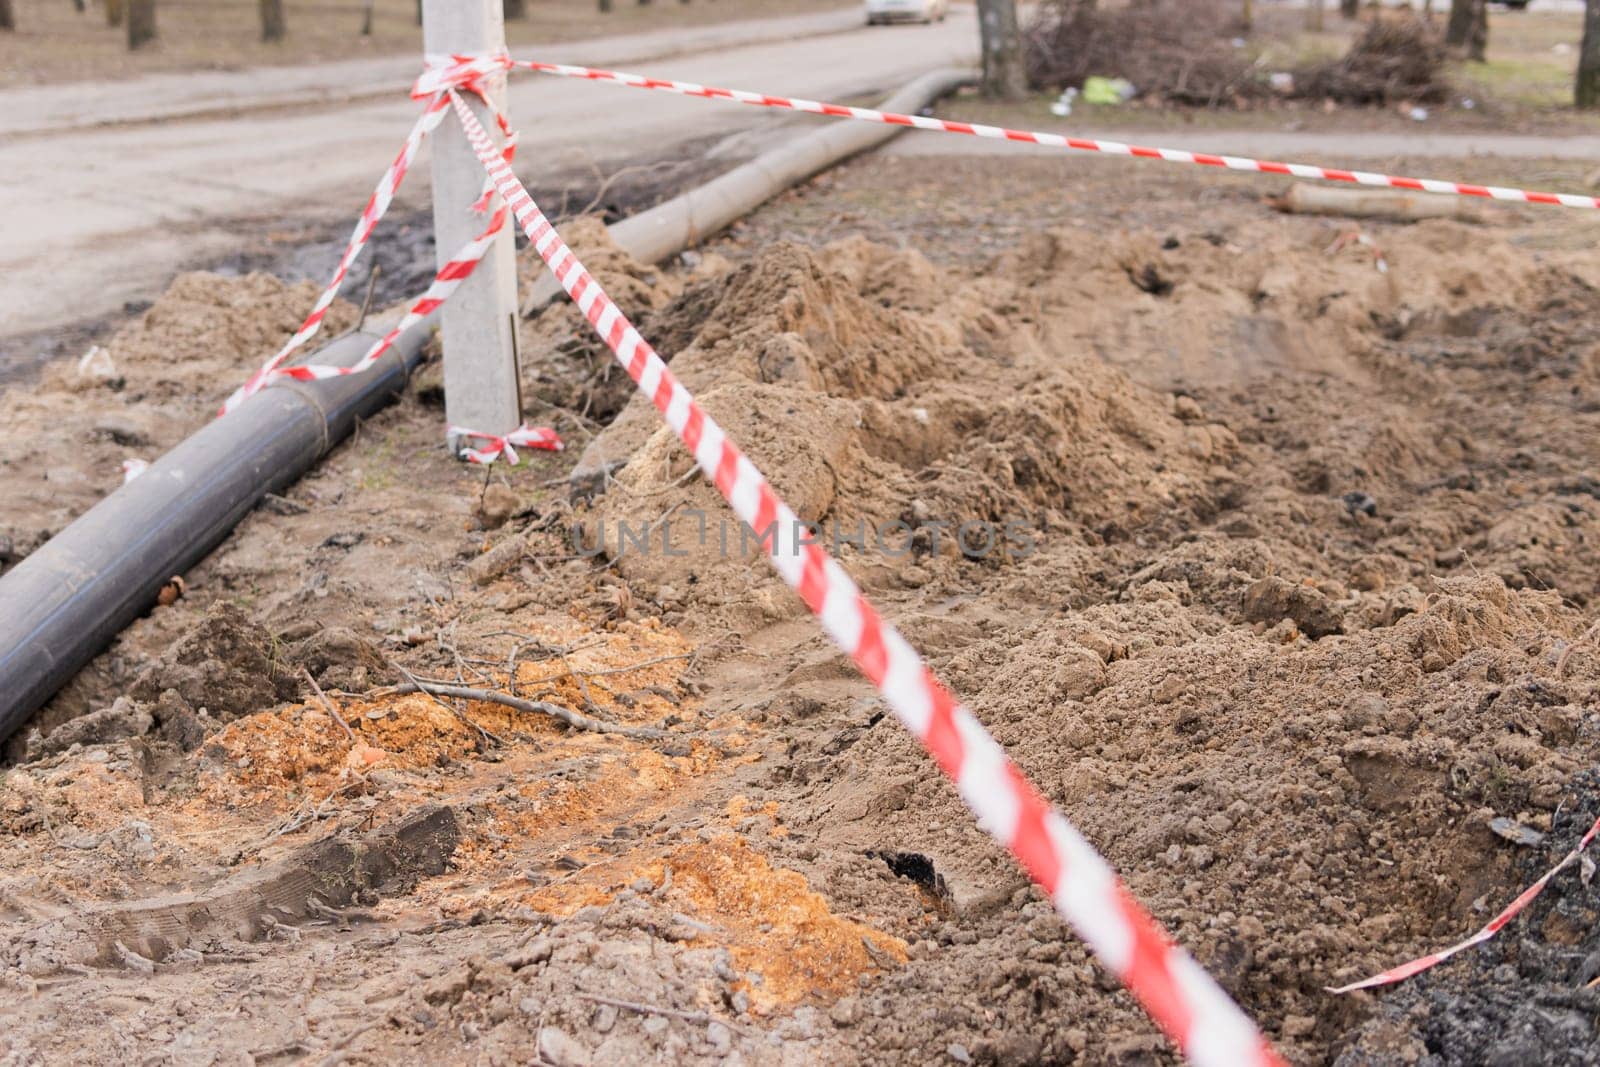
103 206
106 190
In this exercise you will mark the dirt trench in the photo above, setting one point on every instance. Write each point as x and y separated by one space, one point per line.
1274 571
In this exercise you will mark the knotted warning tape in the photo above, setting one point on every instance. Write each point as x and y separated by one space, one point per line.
448 278
1178 994
445 68
524 436
1495 925
377 205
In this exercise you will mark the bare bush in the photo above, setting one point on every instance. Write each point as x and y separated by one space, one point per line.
1181 56
1398 58
1191 55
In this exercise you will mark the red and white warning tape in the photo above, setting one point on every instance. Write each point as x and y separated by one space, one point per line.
1350 237
1526 897
523 436
377 204
443 69
1178 994
451 275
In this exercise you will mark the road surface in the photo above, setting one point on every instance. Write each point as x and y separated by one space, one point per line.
107 190
96 215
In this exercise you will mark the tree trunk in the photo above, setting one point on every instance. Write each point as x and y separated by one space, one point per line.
515 9
1349 9
1460 26
605 6
366 19
1478 39
272 25
1247 16
141 22
1588 95
1003 76
113 12
8 18
1314 16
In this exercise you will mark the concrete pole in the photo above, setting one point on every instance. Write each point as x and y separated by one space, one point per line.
478 325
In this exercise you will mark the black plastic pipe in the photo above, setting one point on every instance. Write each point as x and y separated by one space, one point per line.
65 602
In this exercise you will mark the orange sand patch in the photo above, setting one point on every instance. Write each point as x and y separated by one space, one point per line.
778 926
768 917
610 797
88 795
553 817
629 671
739 808
259 756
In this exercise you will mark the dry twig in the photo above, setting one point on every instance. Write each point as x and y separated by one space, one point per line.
555 711
457 712
329 706
703 1017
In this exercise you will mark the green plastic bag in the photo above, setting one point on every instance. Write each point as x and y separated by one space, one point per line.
1113 91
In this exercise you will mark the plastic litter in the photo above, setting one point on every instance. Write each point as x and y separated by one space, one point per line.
1108 91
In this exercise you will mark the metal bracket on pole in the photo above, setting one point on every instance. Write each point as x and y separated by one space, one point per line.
478 325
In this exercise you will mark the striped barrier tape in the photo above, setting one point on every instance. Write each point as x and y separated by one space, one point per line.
377 205
1356 237
1194 1012
443 68
523 436
448 278
445 282
1495 925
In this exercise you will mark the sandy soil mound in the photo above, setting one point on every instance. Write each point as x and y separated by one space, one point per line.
1285 630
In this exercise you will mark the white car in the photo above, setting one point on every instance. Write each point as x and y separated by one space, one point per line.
908 10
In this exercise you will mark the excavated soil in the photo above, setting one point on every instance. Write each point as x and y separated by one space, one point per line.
1288 591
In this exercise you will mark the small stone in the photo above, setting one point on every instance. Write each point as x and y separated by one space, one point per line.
558 1048
1079 673
958 1052
1298 1025
720 1036
1170 689
1515 832
915 577
846 1011
1360 503
536 951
